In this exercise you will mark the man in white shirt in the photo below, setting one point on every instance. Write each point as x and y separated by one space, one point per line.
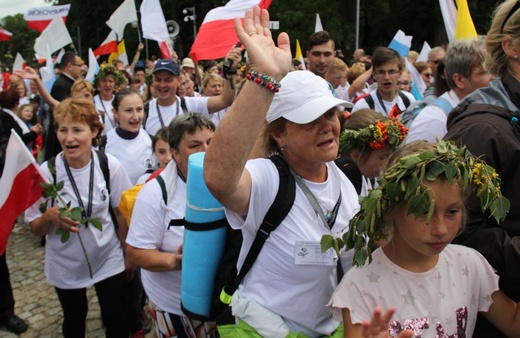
167 104
387 66
464 72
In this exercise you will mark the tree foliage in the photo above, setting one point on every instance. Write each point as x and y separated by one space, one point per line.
379 21
21 42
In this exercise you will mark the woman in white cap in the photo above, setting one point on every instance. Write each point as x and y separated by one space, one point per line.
290 281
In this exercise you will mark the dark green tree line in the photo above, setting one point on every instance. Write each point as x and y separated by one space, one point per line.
379 21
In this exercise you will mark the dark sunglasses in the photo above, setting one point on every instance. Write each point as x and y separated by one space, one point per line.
508 16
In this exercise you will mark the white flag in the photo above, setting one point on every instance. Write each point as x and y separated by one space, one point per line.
423 55
123 15
93 66
47 72
153 22
318 27
55 35
19 62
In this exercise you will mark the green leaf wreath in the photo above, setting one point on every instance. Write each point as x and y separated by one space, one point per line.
403 182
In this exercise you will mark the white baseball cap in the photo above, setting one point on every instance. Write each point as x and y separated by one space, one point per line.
303 97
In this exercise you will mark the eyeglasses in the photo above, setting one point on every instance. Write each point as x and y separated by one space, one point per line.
434 61
428 75
317 53
78 64
404 83
382 72
511 12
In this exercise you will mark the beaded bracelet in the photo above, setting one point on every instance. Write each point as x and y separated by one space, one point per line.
264 81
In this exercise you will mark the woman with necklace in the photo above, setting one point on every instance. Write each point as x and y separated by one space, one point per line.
290 279
128 142
66 266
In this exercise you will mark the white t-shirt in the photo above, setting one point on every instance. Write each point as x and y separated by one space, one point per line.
430 123
105 107
441 302
135 155
298 293
193 104
217 116
149 230
65 264
387 105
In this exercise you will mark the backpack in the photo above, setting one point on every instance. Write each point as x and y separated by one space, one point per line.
370 100
227 278
103 163
410 113
147 109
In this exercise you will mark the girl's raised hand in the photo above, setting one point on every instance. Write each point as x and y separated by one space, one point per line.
378 326
264 56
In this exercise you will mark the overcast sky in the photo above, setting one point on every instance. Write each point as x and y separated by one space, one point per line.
12 7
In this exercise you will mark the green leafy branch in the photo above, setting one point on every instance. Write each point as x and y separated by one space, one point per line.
54 192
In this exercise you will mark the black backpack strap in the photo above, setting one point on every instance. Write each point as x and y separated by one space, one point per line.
160 180
183 105
51 163
103 163
370 101
281 206
405 98
351 170
146 110
103 143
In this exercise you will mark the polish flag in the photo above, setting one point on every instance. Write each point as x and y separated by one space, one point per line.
39 18
19 185
5 35
108 46
216 36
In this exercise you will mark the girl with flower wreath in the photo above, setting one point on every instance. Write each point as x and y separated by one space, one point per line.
366 143
437 288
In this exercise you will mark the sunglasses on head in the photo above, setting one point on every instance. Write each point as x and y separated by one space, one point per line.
508 16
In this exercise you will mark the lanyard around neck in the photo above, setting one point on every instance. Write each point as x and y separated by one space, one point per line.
327 221
105 110
86 212
159 111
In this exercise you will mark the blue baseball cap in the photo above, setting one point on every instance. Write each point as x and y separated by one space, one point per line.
168 65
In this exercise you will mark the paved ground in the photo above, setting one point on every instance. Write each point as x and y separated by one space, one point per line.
36 301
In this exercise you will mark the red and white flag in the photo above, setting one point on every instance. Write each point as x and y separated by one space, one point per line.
5 35
217 34
108 46
154 25
123 15
40 17
19 185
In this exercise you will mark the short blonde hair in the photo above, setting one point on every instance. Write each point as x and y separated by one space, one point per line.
496 60
79 85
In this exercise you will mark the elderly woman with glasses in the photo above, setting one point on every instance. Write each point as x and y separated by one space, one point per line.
487 122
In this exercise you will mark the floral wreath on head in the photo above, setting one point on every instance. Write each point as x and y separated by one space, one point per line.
403 182
376 136
106 70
